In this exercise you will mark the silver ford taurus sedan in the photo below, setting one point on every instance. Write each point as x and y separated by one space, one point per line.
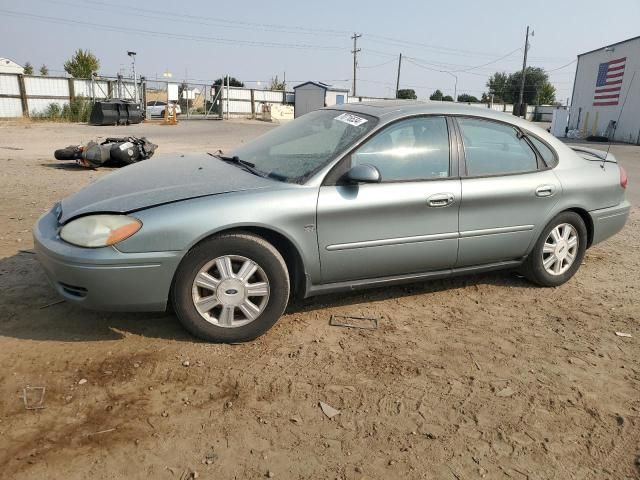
342 198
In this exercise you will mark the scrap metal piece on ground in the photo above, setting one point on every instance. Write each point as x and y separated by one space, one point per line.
366 323
51 304
622 334
328 410
34 401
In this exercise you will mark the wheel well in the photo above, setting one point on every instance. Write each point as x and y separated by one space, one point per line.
289 253
588 222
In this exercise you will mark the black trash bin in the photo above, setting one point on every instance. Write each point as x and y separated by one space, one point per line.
115 112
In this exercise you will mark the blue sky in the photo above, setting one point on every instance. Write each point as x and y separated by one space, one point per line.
253 41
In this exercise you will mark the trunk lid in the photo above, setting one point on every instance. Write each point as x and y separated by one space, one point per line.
593 154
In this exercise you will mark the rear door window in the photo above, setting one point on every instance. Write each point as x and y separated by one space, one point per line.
493 148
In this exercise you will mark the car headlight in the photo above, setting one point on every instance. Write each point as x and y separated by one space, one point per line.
99 230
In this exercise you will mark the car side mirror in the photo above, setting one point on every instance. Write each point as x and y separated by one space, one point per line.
364 173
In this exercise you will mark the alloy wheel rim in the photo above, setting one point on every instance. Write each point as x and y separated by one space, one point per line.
560 249
230 291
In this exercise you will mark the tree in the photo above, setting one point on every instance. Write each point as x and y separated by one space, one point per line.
82 64
277 84
498 87
437 95
44 71
546 94
535 78
537 88
447 98
233 82
466 98
28 68
407 94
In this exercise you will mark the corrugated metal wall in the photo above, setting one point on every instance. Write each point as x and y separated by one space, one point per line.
240 99
10 107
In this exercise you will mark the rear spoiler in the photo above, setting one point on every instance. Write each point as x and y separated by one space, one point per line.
590 153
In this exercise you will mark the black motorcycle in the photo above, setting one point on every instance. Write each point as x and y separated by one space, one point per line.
113 151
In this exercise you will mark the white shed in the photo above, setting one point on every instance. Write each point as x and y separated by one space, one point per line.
606 79
9 66
311 96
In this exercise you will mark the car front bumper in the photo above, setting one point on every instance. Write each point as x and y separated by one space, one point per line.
104 278
609 221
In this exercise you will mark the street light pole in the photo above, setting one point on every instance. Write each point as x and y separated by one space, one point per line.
455 86
135 78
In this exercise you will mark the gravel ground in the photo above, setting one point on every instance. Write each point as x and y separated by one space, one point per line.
484 376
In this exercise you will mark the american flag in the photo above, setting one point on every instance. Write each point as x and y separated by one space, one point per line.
609 83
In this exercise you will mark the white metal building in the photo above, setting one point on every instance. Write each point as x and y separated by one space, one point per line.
9 66
604 79
311 96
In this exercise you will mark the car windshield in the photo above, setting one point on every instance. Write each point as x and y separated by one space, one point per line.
296 150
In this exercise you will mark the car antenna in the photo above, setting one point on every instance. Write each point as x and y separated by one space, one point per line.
613 133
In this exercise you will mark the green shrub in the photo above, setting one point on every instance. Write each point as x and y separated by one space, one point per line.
77 110
53 112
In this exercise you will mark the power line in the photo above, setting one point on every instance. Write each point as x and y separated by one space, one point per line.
178 36
379 64
279 28
489 63
173 15
563 66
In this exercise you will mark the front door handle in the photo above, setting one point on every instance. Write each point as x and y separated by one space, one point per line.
440 200
545 191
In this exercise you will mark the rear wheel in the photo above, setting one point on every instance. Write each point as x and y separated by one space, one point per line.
559 251
231 288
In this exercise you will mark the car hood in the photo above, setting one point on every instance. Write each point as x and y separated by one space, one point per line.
160 180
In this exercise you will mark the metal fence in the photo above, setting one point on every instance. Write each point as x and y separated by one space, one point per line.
27 95
198 100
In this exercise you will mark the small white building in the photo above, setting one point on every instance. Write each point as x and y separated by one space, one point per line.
9 66
311 96
606 89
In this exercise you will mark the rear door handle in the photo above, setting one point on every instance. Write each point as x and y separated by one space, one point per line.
440 200
545 191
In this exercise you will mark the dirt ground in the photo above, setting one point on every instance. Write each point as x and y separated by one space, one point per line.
477 377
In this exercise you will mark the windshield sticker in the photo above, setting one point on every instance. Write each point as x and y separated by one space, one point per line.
351 119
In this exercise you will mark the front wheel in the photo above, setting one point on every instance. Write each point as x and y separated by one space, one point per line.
559 251
231 288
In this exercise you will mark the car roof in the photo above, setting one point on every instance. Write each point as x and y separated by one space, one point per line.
390 110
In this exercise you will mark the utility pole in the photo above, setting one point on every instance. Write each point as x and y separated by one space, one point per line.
355 58
398 79
524 68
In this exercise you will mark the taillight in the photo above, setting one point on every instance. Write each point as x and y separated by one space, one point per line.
624 179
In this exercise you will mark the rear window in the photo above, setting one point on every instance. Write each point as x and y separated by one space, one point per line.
493 148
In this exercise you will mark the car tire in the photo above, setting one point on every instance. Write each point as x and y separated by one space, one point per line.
162 113
218 262
553 262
